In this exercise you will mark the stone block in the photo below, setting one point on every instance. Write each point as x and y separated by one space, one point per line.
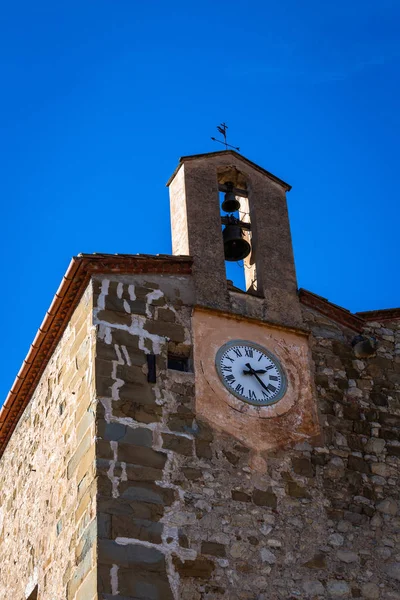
171 331
135 585
79 575
141 393
296 490
111 432
131 374
165 314
201 567
83 447
181 421
88 589
104 525
179 444
318 561
213 548
239 496
126 526
143 492
203 449
134 556
105 351
393 450
142 473
303 466
141 455
104 580
114 318
231 457
191 473
358 464
137 410
264 498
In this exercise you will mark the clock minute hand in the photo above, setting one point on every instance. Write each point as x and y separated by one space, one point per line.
253 372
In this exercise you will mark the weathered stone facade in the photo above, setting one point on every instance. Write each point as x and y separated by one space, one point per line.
177 509
321 522
47 478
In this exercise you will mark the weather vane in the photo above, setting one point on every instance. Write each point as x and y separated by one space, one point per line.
222 129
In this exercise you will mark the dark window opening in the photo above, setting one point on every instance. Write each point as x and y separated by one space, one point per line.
178 363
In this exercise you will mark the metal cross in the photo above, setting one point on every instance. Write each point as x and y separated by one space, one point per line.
222 129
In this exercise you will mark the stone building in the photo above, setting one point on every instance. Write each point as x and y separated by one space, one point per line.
171 437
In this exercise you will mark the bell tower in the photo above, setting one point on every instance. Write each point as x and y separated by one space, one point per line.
258 233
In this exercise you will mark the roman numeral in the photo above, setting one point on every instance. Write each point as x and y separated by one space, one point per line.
265 395
240 389
271 387
231 378
229 358
252 395
225 368
274 378
249 352
237 352
261 355
268 368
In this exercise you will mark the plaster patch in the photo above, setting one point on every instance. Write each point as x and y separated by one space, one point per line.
101 301
114 580
126 356
154 295
110 473
120 289
131 292
107 404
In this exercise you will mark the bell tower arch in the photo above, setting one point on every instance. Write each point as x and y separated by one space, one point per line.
196 230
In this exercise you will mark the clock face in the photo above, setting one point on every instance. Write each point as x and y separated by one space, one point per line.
251 373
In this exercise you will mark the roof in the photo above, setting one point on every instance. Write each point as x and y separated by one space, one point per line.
191 157
74 283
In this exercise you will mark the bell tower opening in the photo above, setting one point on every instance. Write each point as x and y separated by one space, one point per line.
236 230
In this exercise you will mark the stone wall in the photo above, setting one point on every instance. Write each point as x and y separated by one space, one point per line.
137 448
47 506
182 514
173 509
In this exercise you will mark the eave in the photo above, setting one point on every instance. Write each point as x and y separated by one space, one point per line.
69 293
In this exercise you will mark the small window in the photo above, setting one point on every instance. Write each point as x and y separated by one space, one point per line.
178 363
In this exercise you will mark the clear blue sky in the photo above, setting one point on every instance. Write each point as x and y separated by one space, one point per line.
100 98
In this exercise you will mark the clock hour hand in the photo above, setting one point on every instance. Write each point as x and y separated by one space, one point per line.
253 372
261 371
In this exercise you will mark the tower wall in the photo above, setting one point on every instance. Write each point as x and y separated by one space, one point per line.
196 229
187 511
47 507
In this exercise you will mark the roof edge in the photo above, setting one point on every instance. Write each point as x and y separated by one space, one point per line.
332 311
69 293
190 157
383 314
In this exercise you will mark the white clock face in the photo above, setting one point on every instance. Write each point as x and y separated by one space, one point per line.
251 373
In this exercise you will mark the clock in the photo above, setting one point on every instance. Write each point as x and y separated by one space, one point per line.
251 373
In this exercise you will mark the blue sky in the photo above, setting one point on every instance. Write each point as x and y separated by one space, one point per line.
99 99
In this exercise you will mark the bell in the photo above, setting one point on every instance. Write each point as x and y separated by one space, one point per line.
230 204
235 246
